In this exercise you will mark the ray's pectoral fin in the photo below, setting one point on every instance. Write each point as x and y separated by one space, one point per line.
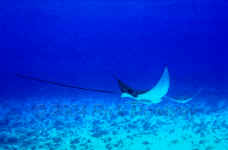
156 94
178 100
186 100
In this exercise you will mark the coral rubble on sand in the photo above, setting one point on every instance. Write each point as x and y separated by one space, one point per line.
109 127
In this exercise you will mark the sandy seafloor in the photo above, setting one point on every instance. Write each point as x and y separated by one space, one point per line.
63 124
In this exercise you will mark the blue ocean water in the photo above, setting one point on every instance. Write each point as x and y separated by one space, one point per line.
85 43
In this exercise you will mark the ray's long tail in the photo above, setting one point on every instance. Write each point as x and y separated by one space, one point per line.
64 85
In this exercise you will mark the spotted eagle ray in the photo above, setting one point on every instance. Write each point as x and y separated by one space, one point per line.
153 95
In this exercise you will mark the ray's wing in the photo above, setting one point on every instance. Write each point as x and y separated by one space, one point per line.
159 90
183 100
